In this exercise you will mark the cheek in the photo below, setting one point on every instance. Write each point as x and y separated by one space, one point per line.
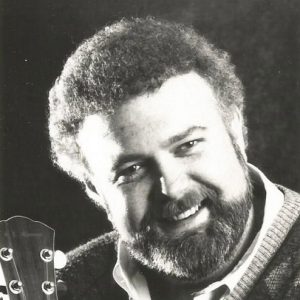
115 205
220 168
127 205
137 202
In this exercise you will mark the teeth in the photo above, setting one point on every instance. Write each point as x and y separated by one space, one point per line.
186 214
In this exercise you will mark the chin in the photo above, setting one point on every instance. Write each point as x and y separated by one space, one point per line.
194 255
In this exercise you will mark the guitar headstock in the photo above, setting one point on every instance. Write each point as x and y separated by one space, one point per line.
27 259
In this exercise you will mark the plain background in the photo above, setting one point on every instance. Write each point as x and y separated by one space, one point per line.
263 38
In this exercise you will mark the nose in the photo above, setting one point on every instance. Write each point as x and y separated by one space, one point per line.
172 179
163 186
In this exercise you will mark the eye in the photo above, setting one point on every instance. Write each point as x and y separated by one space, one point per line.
131 173
187 147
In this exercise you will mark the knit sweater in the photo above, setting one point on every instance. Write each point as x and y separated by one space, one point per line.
274 273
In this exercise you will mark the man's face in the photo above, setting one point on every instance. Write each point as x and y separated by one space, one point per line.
170 177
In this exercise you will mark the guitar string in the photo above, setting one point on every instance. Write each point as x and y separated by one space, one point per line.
55 295
54 278
47 276
18 276
48 297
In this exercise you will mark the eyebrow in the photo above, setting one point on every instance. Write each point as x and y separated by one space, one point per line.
182 135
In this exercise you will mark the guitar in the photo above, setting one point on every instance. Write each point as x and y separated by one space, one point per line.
27 259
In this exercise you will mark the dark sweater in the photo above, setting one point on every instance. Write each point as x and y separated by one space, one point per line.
273 274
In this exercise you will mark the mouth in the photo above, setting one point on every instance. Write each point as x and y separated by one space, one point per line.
195 217
186 214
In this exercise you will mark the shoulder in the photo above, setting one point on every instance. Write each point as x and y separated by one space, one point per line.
99 250
290 212
289 219
288 193
277 265
88 273
282 276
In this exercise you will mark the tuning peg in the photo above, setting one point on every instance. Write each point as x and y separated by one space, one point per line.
48 287
60 259
62 288
2 296
16 286
6 254
46 255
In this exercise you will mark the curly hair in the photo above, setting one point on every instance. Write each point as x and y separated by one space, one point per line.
129 58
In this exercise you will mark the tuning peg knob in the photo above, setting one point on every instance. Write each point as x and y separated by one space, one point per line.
15 286
6 254
46 255
48 287
60 259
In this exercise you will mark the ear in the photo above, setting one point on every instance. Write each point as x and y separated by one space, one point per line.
236 129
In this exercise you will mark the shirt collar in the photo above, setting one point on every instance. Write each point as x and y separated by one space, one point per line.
128 276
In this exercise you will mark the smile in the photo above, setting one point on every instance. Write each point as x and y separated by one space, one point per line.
196 218
186 214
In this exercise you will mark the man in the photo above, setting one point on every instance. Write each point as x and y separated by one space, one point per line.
149 117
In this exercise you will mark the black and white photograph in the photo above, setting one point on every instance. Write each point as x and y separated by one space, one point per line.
150 150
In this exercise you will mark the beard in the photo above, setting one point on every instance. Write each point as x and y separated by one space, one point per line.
193 255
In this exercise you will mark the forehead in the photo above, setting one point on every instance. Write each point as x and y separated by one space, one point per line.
182 102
